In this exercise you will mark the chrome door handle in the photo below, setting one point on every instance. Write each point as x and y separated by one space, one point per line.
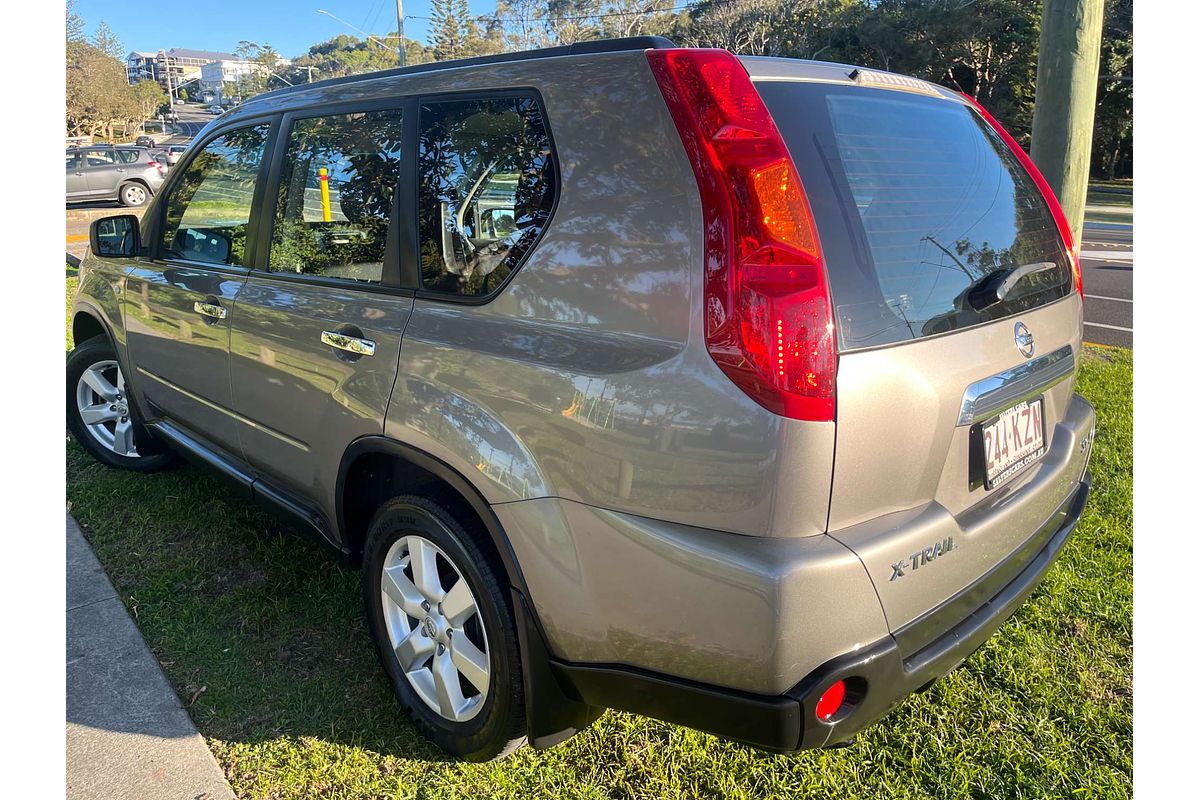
210 310
351 344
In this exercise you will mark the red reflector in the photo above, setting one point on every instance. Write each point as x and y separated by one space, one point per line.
1060 219
831 702
768 319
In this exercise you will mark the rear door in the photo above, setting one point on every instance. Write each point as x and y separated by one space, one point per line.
948 274
316 336
181 301
104 171
77 187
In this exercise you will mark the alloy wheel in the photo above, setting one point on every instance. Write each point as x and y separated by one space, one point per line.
435 628
104 408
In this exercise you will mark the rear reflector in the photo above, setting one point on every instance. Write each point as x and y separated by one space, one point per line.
768 319
1064 228
831 702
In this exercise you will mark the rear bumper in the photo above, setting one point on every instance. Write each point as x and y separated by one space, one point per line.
886 672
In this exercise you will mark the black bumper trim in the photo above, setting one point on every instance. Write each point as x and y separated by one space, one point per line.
788 722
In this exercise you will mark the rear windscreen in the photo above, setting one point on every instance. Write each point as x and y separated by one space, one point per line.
927 221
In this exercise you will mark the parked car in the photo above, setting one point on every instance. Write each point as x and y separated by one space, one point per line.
144 141
566 380
131 175
216 110
173 152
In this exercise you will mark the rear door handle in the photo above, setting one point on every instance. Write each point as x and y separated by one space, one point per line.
212 310
351 344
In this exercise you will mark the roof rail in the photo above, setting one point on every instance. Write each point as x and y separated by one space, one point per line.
578 48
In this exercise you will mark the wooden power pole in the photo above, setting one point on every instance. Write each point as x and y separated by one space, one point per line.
1065 104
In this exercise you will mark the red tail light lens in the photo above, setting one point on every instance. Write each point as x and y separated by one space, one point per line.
1060 219
767 313
831 702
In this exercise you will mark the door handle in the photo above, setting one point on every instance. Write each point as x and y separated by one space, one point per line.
79 174
351 344
212 310
120 169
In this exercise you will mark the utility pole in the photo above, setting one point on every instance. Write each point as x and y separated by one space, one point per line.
400 27
1064 109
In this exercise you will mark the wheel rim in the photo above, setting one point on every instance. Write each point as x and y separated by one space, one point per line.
135 195
435 628
104 408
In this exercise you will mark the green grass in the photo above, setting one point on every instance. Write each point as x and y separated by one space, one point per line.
263 636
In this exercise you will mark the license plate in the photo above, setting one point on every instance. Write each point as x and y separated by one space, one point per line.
1013 441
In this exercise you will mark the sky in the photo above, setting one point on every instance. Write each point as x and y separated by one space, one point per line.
290 26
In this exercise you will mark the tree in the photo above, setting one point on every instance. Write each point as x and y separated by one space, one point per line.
99 97
107 42
264 59
1112 142
76 27
149 97
447 30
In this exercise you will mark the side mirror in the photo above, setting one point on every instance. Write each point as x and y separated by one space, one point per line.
116 237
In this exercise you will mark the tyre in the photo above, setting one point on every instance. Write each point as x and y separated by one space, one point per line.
100 415
133 195
438 609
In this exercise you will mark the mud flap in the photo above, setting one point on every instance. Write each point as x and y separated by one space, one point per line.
552 714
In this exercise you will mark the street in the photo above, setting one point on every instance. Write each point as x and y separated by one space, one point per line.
1107 260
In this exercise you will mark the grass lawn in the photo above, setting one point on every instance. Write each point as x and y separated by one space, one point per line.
263 637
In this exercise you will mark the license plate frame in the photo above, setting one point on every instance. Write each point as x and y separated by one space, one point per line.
979 475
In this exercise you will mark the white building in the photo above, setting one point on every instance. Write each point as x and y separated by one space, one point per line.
219 79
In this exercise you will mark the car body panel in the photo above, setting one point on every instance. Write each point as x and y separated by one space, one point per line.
299 402
181 356
743 612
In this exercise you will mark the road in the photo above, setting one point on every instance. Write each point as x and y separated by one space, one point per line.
1107 260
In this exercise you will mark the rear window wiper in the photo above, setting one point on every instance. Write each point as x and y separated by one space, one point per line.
995 286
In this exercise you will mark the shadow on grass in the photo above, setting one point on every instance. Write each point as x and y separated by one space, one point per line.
259 630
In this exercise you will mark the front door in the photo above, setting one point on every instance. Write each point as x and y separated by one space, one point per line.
316 336
180 303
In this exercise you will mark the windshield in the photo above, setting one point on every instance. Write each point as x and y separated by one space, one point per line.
928 222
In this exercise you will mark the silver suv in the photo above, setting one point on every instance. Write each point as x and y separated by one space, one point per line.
131 175
734 392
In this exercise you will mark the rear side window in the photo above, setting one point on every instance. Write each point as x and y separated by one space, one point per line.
335 195
73 161
928 222
486 188
208 209
127 156
100 158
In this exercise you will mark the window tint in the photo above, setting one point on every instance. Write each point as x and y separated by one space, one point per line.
208 210
486 188
73 161
128 156
100 158
923 212
335 195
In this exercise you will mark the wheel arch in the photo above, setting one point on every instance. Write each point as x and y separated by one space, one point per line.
86 324
374 468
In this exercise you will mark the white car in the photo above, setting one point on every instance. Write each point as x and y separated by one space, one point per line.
215 110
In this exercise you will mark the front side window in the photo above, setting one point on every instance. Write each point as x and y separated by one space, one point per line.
486 187
335 195
208 210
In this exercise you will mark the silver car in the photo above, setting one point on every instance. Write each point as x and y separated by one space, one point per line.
734 392
131 175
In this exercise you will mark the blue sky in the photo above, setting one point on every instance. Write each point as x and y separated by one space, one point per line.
290 26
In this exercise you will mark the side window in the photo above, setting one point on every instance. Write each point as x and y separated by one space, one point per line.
486 187
335 195
208 209
74 161
128 156
100 158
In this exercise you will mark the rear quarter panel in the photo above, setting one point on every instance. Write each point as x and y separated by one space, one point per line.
587 378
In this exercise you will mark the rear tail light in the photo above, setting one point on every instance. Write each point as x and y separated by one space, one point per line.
767 313
830 703
1060 219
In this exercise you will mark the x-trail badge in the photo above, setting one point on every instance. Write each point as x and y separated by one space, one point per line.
1024 340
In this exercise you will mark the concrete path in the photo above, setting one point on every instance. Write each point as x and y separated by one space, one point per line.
127 735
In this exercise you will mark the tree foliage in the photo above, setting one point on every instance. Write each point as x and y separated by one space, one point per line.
107 42
100 100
